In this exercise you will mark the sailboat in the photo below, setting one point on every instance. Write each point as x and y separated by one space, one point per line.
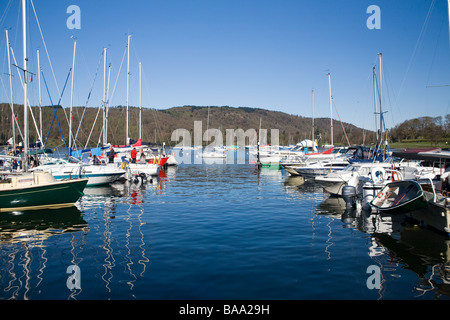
35 190
142 168
66 168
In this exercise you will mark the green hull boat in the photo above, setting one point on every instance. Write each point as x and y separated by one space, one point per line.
400 197
38 190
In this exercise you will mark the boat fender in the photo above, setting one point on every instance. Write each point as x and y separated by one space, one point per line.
377 174
123 165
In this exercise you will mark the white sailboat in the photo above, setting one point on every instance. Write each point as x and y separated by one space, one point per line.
35 190
138 168
70 167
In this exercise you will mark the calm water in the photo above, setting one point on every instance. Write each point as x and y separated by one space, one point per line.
217 232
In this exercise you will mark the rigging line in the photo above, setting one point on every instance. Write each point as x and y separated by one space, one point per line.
92 128
5 12
435 50
46 50
117 78
388 90
54 110
14 120
419 40
154 112
22 83
89 96
343 129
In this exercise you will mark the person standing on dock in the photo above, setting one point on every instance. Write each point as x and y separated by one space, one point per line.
133 155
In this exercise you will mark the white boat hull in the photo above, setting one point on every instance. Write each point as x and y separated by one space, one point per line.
145 168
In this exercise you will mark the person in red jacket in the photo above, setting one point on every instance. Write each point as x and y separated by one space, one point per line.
133 155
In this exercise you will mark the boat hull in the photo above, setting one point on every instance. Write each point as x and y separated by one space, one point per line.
55 195
332 186
435 216
145 168
95 179
400 197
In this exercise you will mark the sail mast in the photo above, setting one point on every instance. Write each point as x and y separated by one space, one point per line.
71 96
312 136
375 100
40 98
104 96
381 100
107 104
128 85
448 4
13 118
140 104
25 87
331 109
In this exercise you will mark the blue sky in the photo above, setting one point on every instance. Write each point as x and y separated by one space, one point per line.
252 53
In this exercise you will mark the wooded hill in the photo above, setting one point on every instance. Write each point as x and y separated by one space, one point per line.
158 125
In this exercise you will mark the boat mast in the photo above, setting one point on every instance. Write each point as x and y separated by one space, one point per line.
128 84
381 100
13 118
448 4
140 104
107 104
71 96
331 109
312 136
40 98
25 87
375 100
104 96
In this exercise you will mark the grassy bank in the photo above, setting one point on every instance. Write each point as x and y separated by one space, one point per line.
418 144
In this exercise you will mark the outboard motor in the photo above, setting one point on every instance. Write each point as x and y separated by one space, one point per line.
349 195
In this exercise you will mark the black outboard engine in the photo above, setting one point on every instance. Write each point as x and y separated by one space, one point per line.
349 195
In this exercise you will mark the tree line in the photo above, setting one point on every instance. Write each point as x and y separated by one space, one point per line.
158 125
426 129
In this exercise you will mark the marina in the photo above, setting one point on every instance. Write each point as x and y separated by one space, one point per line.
293 210
218 231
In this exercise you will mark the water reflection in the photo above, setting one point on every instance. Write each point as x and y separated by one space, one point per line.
34 227
124 257
423 252
396 245
24 241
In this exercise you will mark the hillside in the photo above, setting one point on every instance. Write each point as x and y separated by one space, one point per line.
158 125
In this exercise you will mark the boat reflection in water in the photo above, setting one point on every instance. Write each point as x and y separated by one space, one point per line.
396 243
24 247
34 227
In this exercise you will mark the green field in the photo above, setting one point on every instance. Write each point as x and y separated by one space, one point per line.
418 144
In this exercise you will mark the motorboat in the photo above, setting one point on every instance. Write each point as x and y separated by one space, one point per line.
321 167
400 197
